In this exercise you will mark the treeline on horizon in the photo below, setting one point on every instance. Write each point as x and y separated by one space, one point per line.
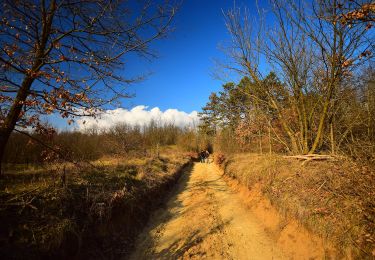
93 143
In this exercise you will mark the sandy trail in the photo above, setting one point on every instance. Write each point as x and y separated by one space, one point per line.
204 218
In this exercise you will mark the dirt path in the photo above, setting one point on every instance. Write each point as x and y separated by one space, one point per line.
204 218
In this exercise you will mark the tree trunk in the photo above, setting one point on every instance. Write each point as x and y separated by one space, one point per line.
319 134
13 115
3 142
335 77
332 138
269 137
15 110
305 134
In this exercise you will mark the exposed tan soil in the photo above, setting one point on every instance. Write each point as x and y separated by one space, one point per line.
205 218
291 237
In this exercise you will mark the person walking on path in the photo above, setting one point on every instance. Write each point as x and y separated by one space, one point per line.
207 156
202 156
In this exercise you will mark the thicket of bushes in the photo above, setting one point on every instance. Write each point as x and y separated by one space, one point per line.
92 144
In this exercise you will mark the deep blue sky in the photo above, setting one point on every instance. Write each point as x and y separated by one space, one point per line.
182 75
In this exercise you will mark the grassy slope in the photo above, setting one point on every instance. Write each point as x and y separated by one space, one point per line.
333 199
98 212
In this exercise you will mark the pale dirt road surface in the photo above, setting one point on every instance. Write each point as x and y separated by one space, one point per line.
204 218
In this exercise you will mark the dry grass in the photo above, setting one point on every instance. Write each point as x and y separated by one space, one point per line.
333 199
97 212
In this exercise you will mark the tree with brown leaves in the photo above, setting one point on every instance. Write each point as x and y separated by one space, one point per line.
68 57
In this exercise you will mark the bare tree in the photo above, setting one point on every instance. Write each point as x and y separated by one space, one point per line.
247 47
313 51
67 57
341 49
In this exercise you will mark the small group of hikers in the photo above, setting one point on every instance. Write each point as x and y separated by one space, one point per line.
204 156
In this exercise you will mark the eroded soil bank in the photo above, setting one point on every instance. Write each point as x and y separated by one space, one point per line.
207 218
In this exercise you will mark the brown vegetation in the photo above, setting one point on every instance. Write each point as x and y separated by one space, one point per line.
92 144
334 199
87 212
86 194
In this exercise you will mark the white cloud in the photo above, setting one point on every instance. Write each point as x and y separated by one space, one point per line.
140 115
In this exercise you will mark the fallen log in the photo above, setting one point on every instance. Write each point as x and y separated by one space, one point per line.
311 157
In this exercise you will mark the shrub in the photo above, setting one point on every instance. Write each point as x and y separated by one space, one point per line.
219 158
